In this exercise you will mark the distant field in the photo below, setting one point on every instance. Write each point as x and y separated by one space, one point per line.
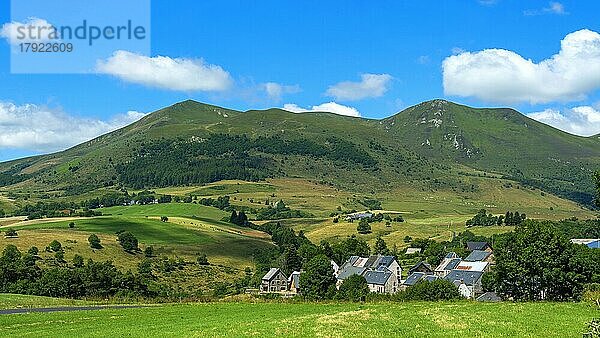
419 319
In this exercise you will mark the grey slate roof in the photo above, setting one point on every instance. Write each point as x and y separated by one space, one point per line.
377 277
478 256
451 264
489 297
413 278
477 245
271 274
295 278
421 263
451 255
349 271
467 277
430 278
594 245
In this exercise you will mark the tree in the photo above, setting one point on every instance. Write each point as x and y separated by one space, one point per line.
597 178
149 251
128 241
94 241
380 247
77 261
60 256
353 288
164 219
351 246
317 280
33 251
202 260
537 262
407 239
71 225
55 246
363 226
290 260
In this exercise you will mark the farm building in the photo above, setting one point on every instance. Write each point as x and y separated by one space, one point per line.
294 282
358 216
473 266
415 277
410 251
480 256
274 281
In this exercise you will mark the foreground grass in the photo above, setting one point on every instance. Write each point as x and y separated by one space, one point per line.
462 319
12 301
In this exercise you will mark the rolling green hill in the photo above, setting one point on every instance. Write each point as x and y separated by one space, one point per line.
434 146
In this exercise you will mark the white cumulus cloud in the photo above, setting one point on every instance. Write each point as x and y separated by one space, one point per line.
275 90
582 120
329 107
164 72
32 30
503 76
370 85
554 7
36 128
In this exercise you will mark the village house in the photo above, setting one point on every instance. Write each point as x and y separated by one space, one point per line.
415 277
412 251
449 263
422 266
468 282
275 281
473 266
294 282
383 273
482 246
480 256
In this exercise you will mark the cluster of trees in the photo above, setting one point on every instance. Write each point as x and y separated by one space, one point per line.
221 156
19 273
239 218
222 202
538 262
280 211
484 219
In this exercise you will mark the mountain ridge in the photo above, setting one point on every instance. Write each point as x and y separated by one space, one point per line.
422 143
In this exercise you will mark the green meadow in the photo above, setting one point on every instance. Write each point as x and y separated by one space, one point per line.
418 319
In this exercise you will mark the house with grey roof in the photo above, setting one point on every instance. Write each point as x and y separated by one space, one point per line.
416 277
294 282
275 281
483 246
383 273
421 266
358 216
450 262
480 256
468 282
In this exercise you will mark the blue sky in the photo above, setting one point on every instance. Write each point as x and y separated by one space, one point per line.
349 57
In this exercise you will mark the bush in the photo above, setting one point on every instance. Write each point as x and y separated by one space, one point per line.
353 288
432 291
71 225
164 218
77 261
202 260
94 241
128 241
363 227
149 251
33 251
60 256
11 233
54 246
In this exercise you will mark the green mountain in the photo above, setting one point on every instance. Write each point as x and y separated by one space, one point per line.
433 145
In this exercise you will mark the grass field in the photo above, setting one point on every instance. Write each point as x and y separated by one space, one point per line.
12 301
420 319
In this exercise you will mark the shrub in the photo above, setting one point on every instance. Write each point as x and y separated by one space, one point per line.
33 251
72 225
78 261
432 291
202 260
94 241
363 226
54 246
11 233
149 251
164 218
353 288
128 241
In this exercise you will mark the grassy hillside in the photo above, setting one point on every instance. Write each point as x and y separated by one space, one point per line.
459 319
436 146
